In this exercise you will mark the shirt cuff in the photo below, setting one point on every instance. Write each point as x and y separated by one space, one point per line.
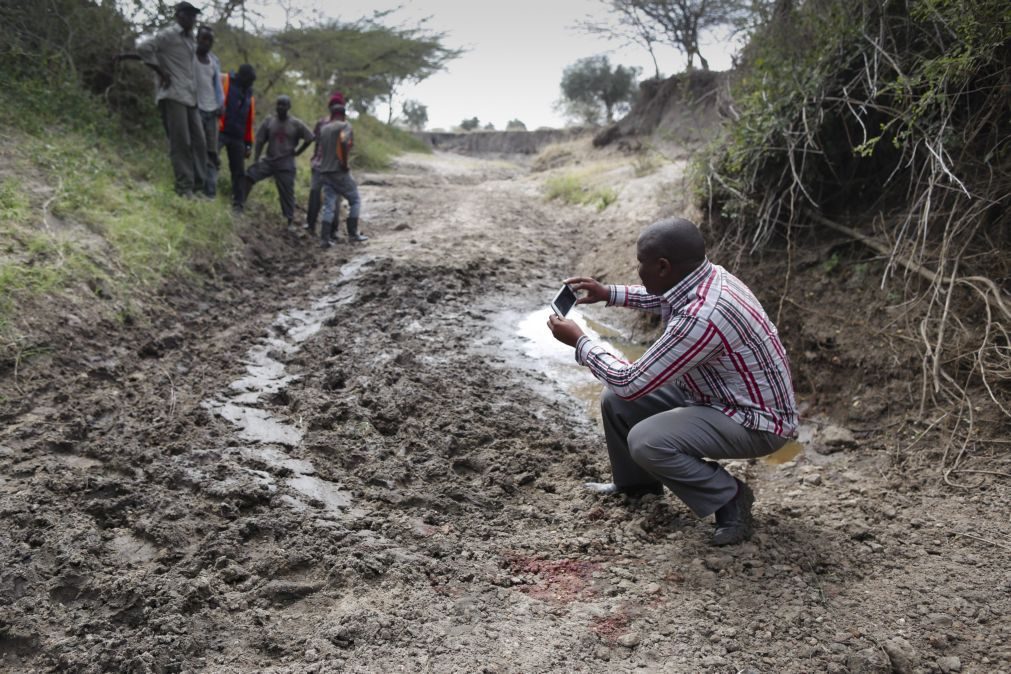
617 297
583 346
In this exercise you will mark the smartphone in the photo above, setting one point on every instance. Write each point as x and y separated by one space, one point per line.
564 301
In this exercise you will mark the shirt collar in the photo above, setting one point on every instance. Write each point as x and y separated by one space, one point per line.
677 295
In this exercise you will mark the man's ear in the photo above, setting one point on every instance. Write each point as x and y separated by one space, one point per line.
664 266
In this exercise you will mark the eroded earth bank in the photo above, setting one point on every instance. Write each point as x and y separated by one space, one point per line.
360 461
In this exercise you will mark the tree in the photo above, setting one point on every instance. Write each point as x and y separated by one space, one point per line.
489 127
678 23
366 60
590 83
470 124
515 125
415 114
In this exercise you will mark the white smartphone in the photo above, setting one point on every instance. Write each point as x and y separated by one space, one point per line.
564 301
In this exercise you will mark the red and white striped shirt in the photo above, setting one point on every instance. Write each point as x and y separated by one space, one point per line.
719 348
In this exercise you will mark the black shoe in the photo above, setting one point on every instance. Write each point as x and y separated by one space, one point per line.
632 491
733 521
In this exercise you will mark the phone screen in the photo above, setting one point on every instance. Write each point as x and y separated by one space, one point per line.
564 301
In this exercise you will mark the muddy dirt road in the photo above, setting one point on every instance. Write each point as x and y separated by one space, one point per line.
356 461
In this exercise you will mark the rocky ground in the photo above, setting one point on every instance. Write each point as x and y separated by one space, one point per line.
351 461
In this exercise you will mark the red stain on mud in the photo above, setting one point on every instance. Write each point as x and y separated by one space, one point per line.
610 628
562 580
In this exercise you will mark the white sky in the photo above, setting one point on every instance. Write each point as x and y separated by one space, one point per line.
516 52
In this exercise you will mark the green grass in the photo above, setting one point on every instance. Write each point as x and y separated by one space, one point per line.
571 189
376 144
14 203
120 227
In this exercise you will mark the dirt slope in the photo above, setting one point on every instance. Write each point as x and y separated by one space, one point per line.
344 462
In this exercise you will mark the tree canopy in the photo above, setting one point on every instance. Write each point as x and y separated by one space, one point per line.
590 86
366 60
415 115
678 23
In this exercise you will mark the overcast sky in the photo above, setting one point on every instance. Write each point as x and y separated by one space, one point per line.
516 52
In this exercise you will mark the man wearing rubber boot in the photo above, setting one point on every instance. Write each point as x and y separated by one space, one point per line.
715 385
280 133
334 148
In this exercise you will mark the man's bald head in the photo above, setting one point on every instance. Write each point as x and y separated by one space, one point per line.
676 239
669 250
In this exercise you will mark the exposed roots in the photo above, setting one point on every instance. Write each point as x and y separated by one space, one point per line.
901 130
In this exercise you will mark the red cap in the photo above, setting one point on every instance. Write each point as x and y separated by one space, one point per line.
336 97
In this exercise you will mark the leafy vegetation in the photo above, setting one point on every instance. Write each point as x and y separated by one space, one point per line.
677 23
887 122
574 189
591 88
99 205
415 115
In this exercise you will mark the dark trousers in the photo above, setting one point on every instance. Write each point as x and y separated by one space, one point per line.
236 151
210 123
315 199
663 438
284 179
187 147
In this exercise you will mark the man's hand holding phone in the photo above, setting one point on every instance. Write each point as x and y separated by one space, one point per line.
595 290
565 330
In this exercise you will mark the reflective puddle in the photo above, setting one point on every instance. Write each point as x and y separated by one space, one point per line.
784 454
266 375
557 361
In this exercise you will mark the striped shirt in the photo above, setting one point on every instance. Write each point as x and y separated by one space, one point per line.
719 348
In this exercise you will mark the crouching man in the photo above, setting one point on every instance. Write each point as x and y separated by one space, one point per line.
715 385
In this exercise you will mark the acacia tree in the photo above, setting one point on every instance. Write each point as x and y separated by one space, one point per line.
366 60
678 23
415 114
515 125
470 124
590 85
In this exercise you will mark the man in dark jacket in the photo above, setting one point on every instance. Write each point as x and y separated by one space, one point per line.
235 128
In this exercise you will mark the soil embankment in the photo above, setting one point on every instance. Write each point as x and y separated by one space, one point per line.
485 143
347 461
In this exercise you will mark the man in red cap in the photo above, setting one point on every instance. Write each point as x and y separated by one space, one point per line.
315 188
333 145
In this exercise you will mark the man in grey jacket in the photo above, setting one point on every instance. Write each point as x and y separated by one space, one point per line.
171 54
210 101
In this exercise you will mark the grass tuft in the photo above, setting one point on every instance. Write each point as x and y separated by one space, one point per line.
571 189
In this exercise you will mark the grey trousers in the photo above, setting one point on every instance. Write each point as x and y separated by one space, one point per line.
284 179
209 121
187 147
661 438
336 185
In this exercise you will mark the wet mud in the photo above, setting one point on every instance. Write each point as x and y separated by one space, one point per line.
367 460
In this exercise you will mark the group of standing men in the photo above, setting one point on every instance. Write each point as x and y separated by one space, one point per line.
204 110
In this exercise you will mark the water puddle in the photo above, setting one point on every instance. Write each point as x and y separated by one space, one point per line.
793 449
323 491
557 361
266 375
784 454
256 425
